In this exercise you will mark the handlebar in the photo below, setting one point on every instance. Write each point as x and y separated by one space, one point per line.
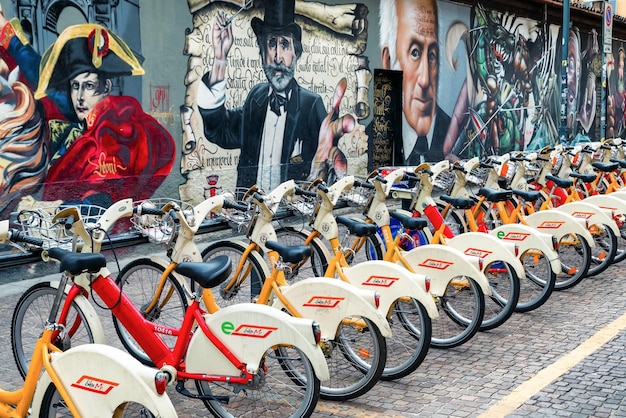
19 236
68 222
146 210
323 187
301 192
235 205
367 185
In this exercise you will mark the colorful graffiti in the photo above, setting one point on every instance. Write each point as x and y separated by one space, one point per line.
96 147
273 93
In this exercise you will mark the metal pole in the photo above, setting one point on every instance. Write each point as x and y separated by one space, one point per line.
603 79
563 131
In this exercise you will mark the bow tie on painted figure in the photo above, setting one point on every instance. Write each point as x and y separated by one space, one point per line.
276 102
420 148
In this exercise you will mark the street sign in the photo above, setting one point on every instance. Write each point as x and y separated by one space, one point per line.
609 11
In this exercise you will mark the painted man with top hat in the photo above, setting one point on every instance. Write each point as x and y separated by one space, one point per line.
102 147
283 130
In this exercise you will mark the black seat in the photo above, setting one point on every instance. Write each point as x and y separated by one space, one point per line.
458 202
290 253
559 181
529 196
76 263
495 195
408 221
586 178
622 163
207 274
605 167
356 227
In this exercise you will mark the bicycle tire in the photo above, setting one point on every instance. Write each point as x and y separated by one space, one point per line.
575 255
455 219
53 406
461 309
254 270
275 394
139 280
367 350
505 289
358 249
313 266
620 255
410 324
411 333
603 254
29 318
538 283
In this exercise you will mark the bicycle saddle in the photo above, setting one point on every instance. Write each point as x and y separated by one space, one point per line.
587 178
408 221
605 167
495 195
207 274
559 181
622 163
358 228
290 253
76 263
529 196
458 202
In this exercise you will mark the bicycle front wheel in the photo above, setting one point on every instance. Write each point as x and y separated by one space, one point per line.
538 283
575 255
286 386
411 333
247 275
505 289
161 299
461 310
30 316
53 406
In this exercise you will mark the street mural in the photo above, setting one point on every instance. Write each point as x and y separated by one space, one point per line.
284 89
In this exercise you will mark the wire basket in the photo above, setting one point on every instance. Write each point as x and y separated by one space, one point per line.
444 180
158 229
478 176
38 223
304 205
357 196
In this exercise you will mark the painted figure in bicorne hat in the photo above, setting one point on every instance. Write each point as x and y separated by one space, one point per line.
282 128
103 147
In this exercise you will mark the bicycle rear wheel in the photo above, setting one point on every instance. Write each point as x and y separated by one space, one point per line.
286 386
505 289
603 254
140 281
538 283
411 333
30 316
53 406
461 311
621 242
575 255
313 266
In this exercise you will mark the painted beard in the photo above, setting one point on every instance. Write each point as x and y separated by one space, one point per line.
279 75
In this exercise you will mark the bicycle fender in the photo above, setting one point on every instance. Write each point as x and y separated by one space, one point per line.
610 202
329 301
91 315
559 224
392 282
248 330
442 263
529 238
489 248
591 213
99 378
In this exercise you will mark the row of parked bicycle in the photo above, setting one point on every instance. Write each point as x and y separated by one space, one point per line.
268 321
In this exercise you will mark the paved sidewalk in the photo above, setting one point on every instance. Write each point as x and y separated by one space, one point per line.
564 359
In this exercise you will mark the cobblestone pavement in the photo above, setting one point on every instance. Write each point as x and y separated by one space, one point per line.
563 359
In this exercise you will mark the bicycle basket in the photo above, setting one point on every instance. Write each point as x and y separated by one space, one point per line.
443 181
38 223
356 196
478 176
158 229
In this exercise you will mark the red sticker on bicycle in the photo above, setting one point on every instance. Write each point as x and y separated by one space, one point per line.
516 236
551 225
254 331
475 252
435 264
583 215
323 302
95 385
380 281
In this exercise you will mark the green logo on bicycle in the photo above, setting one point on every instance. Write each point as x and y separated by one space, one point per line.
228 328
500 234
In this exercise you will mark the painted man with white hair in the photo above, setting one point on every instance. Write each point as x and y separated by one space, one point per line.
409 42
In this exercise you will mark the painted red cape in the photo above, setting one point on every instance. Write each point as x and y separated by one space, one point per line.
124 152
